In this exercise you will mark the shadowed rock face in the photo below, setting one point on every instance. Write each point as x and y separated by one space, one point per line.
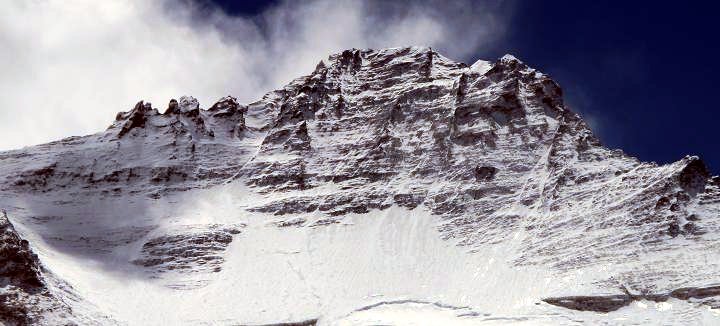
591 303
610 303
310 322
18 264
191 249
24 296
19 275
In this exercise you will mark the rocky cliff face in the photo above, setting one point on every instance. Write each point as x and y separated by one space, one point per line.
25 295
489 150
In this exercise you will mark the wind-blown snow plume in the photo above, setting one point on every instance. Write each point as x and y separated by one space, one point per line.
67 66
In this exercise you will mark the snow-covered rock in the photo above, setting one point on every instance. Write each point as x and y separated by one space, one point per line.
29 294
391 182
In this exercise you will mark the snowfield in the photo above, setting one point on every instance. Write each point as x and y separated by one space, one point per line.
388 187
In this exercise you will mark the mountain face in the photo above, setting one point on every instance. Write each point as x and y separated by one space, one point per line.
389 186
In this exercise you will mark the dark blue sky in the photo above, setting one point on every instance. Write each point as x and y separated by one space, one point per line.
643 74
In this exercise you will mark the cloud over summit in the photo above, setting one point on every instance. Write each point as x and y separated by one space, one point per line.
69 66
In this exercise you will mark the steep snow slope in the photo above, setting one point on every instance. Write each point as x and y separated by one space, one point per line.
388 186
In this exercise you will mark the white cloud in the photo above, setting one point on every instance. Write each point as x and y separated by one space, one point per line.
68 66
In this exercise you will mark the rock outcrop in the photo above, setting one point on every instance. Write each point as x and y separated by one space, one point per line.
709 296
25 297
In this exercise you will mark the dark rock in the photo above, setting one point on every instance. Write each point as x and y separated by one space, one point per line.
136 118
694 175
309 322
673 229
24 295
694 292
461 88
592 303
351 59
408 200
339 107
608 303
195 249
485 173
18 264
172 107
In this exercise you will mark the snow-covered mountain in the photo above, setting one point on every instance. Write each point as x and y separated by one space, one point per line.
389 186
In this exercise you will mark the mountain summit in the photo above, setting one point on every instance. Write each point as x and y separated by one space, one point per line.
384 186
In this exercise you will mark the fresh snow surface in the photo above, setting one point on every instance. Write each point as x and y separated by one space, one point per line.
481 66
391 269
